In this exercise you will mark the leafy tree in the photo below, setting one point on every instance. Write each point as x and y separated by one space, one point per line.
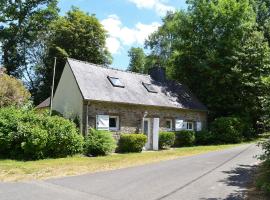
137 60
216 48
23 23
12 91
77 35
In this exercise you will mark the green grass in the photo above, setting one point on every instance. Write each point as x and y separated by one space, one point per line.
12 170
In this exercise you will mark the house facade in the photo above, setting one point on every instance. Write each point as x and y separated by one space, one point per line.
126 102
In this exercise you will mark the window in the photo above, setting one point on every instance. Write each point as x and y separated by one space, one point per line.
149 87
190 126
169 124
114 123
106 122
116 82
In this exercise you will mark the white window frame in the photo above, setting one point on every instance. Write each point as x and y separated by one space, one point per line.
192 126
117 123
171 125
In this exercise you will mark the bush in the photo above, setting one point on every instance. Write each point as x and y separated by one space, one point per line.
64 138
99 143
25 134
227 130
166 140
132 142
263 179
184 138
204 137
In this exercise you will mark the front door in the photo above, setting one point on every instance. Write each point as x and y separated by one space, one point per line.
147 132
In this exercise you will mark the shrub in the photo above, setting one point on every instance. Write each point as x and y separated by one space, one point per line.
263 179
204 137
184 138
31 142
227 130
132 142
99 143
25 134
166 139
64 138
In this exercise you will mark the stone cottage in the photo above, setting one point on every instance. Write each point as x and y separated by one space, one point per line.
126 102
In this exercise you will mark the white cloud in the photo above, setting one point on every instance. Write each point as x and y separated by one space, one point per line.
120 35
160 6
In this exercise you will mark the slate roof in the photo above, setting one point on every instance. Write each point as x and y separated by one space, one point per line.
44 104
94 85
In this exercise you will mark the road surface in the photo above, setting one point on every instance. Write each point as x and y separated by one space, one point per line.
211 176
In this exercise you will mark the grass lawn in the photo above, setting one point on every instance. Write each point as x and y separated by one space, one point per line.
12 170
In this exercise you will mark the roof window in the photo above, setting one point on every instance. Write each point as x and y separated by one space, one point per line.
149 87
116 82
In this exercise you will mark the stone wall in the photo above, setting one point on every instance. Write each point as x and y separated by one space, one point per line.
130 116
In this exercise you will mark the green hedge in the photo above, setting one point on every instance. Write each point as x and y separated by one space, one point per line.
25 134
166 140
131 142
204 137
184 138
227 130
99 143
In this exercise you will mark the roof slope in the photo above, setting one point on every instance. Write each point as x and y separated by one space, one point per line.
44 104
94 85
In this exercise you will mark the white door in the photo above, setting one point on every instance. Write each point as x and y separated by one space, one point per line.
147 132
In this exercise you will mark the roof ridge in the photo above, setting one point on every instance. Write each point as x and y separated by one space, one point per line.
107 67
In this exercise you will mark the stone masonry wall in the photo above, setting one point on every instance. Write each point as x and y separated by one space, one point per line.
130 116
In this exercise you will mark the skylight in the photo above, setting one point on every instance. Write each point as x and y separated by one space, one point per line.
116 82
149 87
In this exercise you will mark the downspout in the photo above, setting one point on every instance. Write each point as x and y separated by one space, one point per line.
86 120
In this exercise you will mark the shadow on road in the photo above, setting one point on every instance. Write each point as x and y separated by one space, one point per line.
239 178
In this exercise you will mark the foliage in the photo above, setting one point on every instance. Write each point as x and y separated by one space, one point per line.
263 179
166 140
184 138
77 35
99 143
24 22
12 91
64 138
227 130
25 134
137 60
132 142
204 137
218 51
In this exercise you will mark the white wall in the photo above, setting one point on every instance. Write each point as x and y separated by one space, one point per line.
68 99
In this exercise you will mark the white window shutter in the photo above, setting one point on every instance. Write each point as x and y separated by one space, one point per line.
199 126
179 124
102 122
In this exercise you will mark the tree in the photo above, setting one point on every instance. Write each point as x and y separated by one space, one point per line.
77 35
216 48
12 91
137 60
23 23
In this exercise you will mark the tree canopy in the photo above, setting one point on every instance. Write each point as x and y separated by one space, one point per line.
77 35
12 91
217 49
23 23
137 60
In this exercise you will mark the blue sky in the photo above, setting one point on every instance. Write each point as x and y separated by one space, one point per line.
128 22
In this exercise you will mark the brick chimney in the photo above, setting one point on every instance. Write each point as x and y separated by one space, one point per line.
158 74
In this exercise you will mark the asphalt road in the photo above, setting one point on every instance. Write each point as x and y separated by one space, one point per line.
212 176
